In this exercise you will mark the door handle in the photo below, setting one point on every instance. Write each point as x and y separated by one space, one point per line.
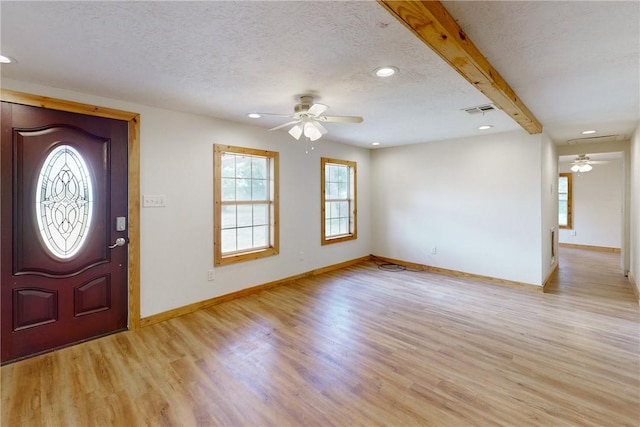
120 241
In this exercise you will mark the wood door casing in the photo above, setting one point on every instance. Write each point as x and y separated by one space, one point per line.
47 303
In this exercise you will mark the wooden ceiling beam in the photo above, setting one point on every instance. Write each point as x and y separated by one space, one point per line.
432 24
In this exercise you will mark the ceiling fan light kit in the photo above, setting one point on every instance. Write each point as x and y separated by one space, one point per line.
307 117
581 164
581 168
296 131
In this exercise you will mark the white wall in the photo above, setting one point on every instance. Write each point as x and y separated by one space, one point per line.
549 206
477 200
635 208
487 204
597 205
177 241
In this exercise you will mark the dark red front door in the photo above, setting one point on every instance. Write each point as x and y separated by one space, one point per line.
63 203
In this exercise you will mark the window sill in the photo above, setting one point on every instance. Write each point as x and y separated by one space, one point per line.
244 256
338 239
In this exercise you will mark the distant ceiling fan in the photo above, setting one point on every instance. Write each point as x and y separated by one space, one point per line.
582 163
307 118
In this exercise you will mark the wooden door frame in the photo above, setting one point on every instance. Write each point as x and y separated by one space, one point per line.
134 179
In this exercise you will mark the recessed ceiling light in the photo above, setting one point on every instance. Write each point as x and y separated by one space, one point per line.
254 115
485 127
386 71
375 143
5 60
588 132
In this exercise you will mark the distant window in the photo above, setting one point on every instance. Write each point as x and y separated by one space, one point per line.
564 200
338 189
246 204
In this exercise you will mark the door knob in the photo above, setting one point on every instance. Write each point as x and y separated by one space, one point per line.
120 241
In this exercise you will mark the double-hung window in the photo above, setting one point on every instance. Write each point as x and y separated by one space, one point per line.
246 204
338 193
564 200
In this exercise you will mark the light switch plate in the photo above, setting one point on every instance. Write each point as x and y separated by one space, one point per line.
154 201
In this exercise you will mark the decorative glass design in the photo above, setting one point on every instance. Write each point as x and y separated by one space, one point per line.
64 201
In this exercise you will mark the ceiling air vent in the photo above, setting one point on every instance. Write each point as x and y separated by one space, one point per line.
480 109
592 139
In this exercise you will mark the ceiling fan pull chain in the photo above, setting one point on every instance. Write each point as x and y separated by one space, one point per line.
308 143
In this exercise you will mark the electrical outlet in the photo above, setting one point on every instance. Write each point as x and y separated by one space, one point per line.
301 256
434 250
211 275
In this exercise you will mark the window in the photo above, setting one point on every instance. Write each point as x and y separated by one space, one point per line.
338 189
246 204
564 200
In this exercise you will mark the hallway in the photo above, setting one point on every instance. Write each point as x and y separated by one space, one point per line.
591 278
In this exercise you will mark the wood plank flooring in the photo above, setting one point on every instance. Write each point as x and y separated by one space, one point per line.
360 346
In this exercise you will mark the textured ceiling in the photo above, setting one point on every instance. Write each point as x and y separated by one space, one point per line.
574 64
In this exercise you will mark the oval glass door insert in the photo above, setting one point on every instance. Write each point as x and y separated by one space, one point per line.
64 201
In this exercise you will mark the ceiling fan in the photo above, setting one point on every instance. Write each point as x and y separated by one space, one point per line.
582 163
307 119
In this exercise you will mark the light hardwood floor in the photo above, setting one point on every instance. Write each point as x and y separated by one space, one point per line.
360 346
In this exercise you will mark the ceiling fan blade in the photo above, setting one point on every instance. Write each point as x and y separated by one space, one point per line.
285 125
275 114
317 109
340 119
